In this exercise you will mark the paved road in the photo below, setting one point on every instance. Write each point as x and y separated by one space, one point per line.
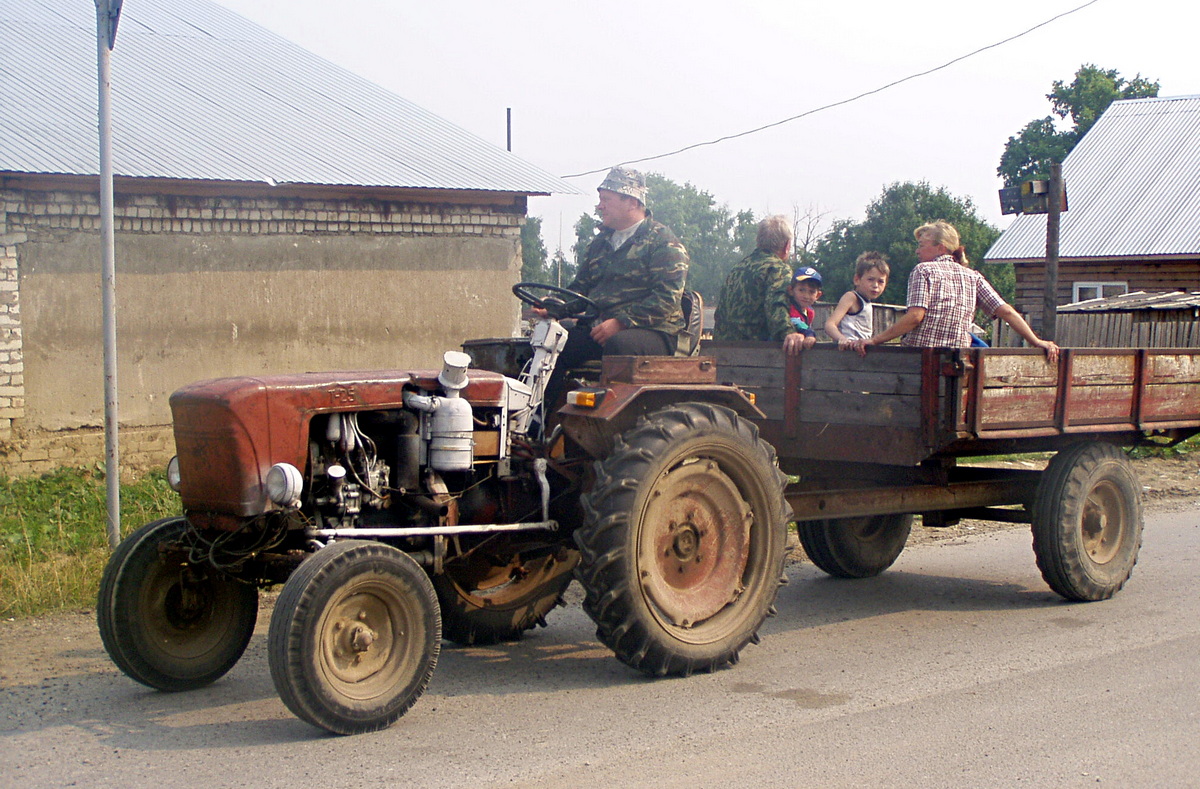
956 668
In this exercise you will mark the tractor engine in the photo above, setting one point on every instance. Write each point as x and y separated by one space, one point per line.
439 460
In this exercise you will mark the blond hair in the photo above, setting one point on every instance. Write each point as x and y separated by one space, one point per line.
942 232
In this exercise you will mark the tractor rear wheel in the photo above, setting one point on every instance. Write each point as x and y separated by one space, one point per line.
682 545
501 588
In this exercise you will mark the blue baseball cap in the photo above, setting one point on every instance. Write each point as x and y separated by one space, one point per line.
807 273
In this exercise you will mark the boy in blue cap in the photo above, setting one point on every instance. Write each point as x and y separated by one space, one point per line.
803 293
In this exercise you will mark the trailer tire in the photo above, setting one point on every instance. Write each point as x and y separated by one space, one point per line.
171 625
682 546
855 547
1087 522
496 595
354 637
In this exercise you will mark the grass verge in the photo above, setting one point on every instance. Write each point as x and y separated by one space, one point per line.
1155 448
53 545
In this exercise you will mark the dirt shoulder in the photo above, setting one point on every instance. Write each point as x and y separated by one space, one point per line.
36 650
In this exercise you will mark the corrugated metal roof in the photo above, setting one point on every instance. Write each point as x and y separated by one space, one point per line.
1128 302
1133 188
199 92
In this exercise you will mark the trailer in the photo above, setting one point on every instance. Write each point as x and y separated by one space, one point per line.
874 441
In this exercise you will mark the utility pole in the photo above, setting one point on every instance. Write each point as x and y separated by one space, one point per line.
108 14
1053 216
1049 198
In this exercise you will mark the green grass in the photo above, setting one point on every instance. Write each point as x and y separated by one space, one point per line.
1159 449
53 543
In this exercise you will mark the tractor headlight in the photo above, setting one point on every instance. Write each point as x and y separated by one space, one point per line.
173 477
284 483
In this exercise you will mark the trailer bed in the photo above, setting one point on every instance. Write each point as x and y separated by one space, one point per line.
905 406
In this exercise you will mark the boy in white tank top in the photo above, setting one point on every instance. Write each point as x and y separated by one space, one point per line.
852 318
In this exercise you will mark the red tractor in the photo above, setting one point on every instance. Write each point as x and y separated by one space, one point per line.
398 508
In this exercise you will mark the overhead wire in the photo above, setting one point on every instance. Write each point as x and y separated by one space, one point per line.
842 102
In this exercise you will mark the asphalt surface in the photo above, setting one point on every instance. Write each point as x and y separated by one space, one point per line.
957 667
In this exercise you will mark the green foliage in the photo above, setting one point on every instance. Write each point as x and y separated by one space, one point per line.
888 228
534 267
1160 448
1029 154
585 230
715 237
53 542
1090 93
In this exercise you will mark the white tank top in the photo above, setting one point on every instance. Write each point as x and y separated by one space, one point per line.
859 325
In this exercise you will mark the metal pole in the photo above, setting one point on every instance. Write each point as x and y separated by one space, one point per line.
1053 214
509 111
105 32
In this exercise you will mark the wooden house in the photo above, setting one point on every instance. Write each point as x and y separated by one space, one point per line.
1133 218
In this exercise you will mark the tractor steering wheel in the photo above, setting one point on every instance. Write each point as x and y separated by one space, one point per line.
574 305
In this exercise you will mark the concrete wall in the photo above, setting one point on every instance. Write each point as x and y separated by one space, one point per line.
213 286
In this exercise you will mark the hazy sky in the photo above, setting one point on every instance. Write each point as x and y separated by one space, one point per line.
593 84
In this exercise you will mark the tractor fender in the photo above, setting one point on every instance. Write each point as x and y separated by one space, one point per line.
620 405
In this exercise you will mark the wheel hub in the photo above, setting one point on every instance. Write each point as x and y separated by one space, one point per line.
1103 523
360 637
695 543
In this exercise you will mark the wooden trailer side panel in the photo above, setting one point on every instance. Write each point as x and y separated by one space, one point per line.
900 406
1090 390
831 405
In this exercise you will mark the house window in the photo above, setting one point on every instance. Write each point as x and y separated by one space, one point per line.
1083 291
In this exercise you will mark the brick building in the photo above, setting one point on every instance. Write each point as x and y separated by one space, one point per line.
272 213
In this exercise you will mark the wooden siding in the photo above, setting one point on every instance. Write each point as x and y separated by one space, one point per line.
1151 276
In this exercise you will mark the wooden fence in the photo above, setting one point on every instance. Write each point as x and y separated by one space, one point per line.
1141 329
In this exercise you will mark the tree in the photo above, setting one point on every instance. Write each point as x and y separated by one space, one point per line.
1092 91
806 224
1029 154
533 253
888 228
715 237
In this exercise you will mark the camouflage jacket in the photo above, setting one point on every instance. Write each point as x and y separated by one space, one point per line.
754 300
639 284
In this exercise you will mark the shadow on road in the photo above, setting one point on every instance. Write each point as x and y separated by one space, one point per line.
79 688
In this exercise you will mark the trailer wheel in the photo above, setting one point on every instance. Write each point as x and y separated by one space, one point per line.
1087 522
855 547
354 637
500 589
168 623
682 545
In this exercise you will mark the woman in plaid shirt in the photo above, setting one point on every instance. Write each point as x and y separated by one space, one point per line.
943 294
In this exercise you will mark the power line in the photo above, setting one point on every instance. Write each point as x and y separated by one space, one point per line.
947 64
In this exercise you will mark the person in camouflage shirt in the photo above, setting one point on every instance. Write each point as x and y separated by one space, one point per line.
754 300
635 270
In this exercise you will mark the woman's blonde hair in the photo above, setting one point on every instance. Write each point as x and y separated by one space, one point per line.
942 232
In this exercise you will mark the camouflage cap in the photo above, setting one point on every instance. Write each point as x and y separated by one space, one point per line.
626 181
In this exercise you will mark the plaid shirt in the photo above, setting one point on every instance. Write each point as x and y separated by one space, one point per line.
949 293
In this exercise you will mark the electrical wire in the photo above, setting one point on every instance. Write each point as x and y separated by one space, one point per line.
822 108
